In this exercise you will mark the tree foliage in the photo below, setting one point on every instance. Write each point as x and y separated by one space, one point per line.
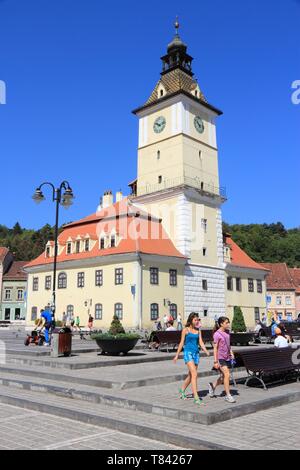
238 322
268 243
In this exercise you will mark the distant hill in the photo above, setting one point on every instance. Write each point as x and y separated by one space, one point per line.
268 243
264 243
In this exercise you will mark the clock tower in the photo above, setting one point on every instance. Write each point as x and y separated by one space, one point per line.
178 177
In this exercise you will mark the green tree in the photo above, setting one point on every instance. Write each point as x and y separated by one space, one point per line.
238 322
116 327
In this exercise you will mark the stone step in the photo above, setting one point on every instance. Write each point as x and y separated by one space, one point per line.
163 429
73 377
158 400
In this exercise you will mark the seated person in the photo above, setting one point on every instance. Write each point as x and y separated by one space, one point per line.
170 326
257 328
281 341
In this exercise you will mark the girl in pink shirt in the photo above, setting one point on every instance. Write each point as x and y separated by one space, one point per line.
223 355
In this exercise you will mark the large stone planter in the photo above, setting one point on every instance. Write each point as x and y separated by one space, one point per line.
241 339
116 346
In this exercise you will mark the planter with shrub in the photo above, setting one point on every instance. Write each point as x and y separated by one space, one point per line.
116 341
239 335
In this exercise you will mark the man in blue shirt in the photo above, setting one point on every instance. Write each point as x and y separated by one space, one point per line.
46 322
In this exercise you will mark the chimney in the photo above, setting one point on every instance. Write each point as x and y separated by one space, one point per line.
119 196
108 199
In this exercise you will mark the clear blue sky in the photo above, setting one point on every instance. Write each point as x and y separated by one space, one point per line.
75 69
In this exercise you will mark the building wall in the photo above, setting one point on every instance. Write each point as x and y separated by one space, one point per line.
286 306
13 303
248 301
162 292
129 293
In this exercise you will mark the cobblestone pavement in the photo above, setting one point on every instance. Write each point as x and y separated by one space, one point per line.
51 432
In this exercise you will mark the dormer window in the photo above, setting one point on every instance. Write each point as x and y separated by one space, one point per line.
87 245
48 252
69 248
196 93
102 243
113 241
161 93
78 246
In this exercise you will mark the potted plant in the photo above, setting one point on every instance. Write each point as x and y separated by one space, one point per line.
240 335
116 340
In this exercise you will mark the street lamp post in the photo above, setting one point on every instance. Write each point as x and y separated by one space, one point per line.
63 195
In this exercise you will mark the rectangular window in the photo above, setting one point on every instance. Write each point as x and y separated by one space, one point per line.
98 312
69 248
118 276
99 277
87 245
256 314
112 241
204 284
20 294
229 283
159 179
35 284
78 247
48 251
259 286
154 312
7 294
204 250
238 284
102 243
250 285
119 311
33 313
154 276
278 300
48 282
173 277
80 280
7 314
288 300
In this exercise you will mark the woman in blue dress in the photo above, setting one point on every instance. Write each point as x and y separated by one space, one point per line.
191 340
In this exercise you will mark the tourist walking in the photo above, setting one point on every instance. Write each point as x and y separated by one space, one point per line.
90 322
191 339
223 355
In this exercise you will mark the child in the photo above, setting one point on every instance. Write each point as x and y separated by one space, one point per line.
191 339
223 355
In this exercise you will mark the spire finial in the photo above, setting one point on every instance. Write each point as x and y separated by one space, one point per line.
177 25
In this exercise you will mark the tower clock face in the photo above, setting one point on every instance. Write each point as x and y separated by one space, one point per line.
199 124
159 124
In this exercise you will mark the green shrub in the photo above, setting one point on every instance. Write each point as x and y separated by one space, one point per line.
128 336
59 323
238 322
116 327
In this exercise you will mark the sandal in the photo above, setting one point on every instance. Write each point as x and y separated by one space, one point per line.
198 401
182 394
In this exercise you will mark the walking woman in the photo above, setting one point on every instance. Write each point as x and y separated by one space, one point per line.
223 355
191 339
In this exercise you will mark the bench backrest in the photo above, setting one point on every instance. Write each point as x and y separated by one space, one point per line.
168 336
268 358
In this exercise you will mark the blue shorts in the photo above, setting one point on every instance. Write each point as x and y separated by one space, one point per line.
190 356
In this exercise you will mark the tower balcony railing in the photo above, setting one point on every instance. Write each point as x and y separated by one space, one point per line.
205 188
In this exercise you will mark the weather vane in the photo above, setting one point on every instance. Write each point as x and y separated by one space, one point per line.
177 25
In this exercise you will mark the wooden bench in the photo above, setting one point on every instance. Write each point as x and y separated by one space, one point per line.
268 363
166 339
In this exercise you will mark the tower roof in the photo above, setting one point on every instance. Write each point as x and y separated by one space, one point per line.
177 76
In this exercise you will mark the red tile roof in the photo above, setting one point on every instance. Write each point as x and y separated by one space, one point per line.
295 275
15 272
3 253
137 231
239 257
279 277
